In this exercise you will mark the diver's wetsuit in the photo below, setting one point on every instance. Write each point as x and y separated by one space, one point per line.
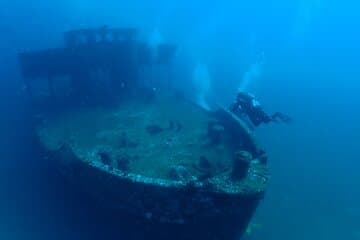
247 104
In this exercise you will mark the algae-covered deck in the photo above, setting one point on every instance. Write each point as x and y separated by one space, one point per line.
152 139
167 162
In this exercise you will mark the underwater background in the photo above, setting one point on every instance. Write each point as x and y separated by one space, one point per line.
310 70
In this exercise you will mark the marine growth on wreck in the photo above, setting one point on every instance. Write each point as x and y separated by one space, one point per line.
144 153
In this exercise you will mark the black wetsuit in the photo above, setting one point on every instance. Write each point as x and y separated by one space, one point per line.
248 105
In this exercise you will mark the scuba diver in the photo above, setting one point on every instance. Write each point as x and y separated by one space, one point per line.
246 104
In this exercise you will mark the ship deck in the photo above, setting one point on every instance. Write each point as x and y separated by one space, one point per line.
149 139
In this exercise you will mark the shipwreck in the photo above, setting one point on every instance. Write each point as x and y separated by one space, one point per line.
151 156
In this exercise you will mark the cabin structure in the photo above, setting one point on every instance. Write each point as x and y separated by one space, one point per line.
92 60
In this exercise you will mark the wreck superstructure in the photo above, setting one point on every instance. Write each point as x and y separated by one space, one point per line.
154 158
92 62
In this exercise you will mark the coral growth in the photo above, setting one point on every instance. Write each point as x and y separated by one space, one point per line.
105 158
179 173
123 161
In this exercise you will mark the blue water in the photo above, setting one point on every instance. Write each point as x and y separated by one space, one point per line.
310 71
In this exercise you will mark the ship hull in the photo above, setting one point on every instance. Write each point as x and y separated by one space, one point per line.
158 210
